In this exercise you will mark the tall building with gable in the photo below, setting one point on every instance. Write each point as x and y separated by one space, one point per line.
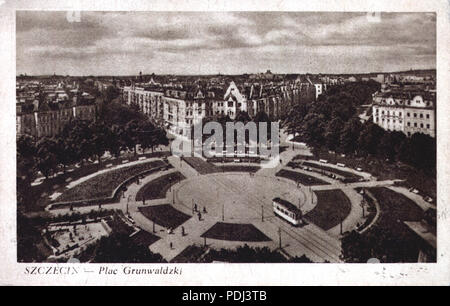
409 111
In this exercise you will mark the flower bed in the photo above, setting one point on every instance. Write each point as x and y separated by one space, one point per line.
301 178
332 207
239 168
235 232
164 215
347 176
103 185
200 165
157 188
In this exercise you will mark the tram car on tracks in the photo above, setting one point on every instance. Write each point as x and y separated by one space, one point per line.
287 211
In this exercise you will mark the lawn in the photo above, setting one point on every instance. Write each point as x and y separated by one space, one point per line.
235 232
40 192
164 215
395 206
389 239
103 185
239 168
347 175
303 179
332 207
157 188
232 159
191 253
385 170
200 165
144 238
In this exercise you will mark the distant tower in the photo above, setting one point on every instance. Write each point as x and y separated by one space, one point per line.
140 76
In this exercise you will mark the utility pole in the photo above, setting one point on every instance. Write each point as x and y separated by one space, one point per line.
262 213
279 236
128 201
223 212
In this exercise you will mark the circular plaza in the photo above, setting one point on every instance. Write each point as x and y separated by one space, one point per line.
239 197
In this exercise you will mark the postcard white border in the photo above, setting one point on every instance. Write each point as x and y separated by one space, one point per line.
438 273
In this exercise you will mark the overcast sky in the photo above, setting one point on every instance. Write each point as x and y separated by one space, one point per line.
124 43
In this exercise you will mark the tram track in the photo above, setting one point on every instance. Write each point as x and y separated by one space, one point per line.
323 248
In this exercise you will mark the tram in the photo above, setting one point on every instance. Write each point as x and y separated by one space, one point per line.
287 211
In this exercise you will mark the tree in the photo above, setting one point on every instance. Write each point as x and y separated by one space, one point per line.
100 134
242 116
112 140
333 132
261 116
47 159
26 168
349 136
80 135
119 248
313 129
159 138
130 135
390 143
110 94
370 138
146 135
65 152
423 152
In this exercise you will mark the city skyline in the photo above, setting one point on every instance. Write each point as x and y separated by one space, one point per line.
189 43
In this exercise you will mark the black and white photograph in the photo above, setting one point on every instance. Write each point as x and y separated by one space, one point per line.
224 137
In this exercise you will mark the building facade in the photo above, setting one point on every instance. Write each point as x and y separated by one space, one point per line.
50 122
406 111
179 107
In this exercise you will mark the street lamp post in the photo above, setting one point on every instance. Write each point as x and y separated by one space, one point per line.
262 213
362 204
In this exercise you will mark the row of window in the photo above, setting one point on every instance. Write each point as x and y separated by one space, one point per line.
408 123
415 125
407 114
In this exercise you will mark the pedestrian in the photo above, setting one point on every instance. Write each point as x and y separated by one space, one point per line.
171 246
182 231
199 216
204 209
